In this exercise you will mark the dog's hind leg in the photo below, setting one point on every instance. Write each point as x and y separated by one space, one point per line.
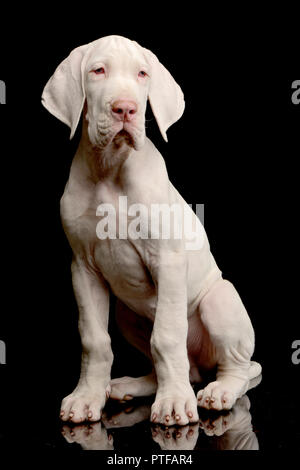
126 388
232 337
137 331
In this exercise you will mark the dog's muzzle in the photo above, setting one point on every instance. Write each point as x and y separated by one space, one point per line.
121 124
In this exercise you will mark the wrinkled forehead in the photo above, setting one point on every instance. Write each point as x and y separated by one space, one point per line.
116 49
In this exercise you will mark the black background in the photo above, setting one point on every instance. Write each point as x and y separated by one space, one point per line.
235 149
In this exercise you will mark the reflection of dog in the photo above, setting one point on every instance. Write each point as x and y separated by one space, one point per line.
231 430
190 318
91 436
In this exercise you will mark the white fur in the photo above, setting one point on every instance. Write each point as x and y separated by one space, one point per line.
158 281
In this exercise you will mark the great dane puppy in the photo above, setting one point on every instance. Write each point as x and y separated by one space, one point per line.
173 303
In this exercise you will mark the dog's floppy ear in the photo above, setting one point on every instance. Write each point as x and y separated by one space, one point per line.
64 95
165 95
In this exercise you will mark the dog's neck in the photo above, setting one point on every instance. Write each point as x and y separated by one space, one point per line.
103 163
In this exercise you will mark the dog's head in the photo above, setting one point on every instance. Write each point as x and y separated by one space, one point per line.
115 76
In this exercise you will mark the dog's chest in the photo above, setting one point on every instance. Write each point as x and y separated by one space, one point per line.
119 258
121 265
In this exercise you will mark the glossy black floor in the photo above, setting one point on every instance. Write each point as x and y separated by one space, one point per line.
266 419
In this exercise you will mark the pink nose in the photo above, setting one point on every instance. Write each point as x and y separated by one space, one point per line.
124 110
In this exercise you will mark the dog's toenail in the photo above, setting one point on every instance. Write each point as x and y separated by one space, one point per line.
190 414
177 417
167 418
128 397
154 416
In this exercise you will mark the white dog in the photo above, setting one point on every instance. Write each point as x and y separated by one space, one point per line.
172 301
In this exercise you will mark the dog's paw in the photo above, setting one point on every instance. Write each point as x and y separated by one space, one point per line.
239 418
176 405
84 404
216 396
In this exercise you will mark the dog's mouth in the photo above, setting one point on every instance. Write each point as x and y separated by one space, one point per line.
119 134
123 137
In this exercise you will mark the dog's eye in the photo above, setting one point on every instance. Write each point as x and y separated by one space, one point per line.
99 71
142 74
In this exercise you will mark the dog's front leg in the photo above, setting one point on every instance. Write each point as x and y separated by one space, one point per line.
89 397
175 401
